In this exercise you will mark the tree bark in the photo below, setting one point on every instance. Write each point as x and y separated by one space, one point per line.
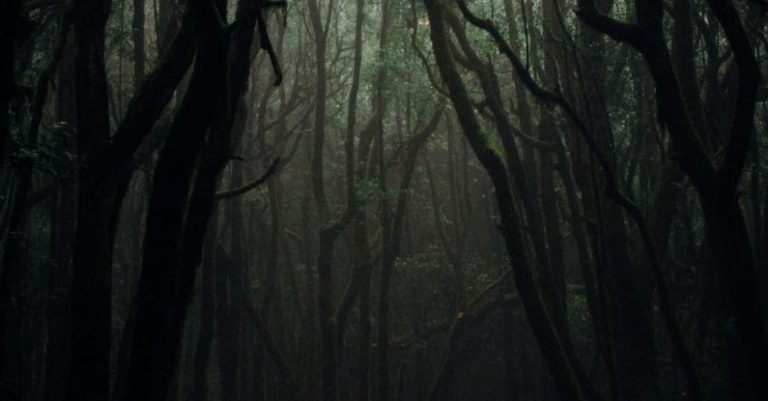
137 27
97 213
541 322
164 283
716 185
200 388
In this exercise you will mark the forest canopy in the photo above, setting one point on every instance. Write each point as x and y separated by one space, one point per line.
383 200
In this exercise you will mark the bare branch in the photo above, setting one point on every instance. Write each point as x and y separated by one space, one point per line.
254 184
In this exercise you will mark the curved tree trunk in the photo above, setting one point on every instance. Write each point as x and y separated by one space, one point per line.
541 322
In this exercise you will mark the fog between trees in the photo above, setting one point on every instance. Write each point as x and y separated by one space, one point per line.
389 200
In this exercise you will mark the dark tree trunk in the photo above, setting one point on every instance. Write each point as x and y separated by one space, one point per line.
165 284
715 185
14 26
541 322
103 179
63 212
96 211
200 388
137 30
181 200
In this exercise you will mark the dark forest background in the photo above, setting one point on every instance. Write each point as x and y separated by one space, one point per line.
384 200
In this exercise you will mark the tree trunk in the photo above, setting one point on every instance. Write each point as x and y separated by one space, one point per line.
98 202
200 388
164 282
541 322
137 27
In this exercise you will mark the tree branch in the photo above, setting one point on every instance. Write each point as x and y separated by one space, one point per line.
621 31
254 184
